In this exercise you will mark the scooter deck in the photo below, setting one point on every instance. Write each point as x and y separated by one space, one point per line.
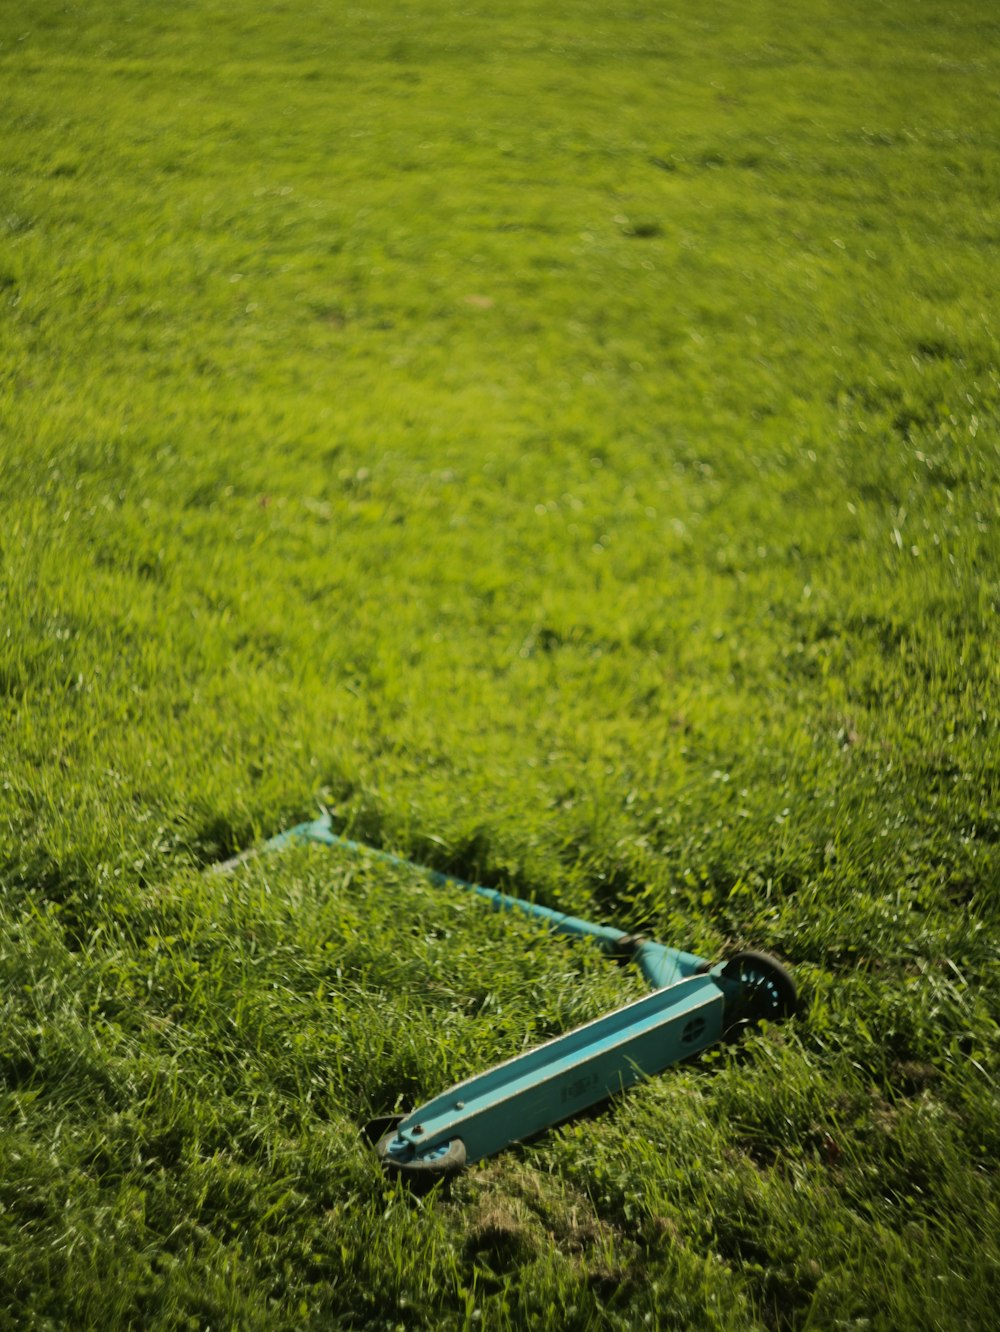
563 1076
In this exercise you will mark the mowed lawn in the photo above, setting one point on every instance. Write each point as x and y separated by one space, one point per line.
562 441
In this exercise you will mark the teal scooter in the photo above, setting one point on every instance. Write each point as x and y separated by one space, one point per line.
695 1003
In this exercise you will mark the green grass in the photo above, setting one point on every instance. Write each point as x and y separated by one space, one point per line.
564 439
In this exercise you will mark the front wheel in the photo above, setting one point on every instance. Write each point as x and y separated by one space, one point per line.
764 991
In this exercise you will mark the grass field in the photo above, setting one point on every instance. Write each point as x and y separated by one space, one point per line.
562 440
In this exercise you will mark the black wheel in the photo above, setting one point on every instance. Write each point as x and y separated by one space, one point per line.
766 990
398 1157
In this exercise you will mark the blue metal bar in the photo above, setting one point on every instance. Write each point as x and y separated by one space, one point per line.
659 964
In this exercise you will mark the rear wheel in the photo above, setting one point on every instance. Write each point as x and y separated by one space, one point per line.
423 1171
